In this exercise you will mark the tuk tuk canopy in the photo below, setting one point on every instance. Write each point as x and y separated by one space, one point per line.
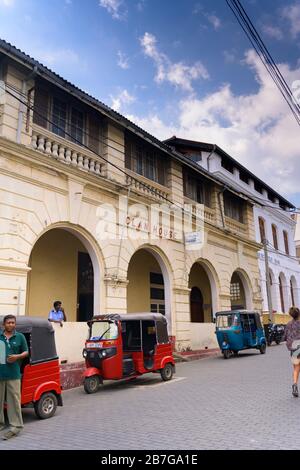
39 334
159 320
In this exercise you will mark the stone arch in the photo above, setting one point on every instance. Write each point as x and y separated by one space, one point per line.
166 272
273 289
214 284
94 252
241 277
283 292
294 291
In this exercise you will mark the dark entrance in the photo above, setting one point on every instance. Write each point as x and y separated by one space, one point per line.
85 289
197 312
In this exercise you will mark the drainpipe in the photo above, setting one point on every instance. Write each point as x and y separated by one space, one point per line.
213 150
22 106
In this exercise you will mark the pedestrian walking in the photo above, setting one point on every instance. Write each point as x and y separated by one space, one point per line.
13 349
292 338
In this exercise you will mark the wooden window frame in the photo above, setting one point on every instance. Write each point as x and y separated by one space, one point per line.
286 242
275 237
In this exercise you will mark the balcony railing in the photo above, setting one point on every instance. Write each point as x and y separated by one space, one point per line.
235 226
203 212
66 152
148 188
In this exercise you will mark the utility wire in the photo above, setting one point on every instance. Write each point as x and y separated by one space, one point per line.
103 141
261 50
31 107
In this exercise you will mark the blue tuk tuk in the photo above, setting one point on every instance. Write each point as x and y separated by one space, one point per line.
239 329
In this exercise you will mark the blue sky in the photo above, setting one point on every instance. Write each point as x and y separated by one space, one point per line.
176 67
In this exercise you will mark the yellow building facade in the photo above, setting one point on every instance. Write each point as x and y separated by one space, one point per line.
77 195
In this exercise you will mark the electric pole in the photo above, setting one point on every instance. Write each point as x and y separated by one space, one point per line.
268 284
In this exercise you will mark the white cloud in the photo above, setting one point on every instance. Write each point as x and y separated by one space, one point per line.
113 7
123 60
178 74
140 5
122 99
7 3
292 14
273 31
214 20
229 56
257 129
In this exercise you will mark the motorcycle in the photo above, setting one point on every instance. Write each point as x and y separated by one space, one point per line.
274 332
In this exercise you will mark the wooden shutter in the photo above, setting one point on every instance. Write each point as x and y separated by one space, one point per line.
94 134
40 108
161 169
275 241
262 229
286 242
128 146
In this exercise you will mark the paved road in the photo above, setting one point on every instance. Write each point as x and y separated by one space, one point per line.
240 403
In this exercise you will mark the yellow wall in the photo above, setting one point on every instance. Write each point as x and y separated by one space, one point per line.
138 290
279 318
53 276
198 278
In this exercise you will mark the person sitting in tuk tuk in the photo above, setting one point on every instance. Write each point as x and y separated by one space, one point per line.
57 314
13 349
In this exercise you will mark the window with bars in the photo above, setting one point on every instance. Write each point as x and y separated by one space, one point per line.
64 118
77 126
197 189
235 291
157 293
234 207
145 160
59 117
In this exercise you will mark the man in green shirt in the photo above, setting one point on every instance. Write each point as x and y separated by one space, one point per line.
13 349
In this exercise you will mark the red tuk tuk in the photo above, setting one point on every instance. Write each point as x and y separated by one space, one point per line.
126 346
40 382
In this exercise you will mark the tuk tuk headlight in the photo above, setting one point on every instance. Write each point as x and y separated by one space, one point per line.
103 353
224 343
84 353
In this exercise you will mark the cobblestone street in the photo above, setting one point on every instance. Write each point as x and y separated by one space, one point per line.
240 403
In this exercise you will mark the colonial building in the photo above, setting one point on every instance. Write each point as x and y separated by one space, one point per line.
79 185
273 220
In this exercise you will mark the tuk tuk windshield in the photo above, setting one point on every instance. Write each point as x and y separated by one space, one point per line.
103 330
227 321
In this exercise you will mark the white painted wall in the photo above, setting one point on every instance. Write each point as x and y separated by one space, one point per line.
70 340
203 336
279 263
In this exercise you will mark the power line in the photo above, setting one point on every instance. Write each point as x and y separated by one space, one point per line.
102 141
190 214
263 53
31 107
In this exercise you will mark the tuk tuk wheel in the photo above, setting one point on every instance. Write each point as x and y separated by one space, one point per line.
226 353
167 372
46 406
91 384
262 348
